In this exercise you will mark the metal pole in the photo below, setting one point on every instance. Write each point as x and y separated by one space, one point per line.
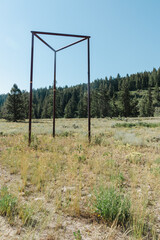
45 43
60 49
89 105
60 34
54 95
31 78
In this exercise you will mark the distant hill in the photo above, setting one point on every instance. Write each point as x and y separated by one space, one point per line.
132 95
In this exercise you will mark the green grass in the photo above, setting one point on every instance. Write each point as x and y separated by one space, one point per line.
113 206
10 208
139 124
8 204
57 177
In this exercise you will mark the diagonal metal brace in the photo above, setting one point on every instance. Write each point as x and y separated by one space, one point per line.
44 42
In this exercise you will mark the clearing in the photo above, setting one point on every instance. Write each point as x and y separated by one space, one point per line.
57 188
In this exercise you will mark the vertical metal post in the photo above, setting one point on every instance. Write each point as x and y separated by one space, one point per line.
54 95
31 79
89 105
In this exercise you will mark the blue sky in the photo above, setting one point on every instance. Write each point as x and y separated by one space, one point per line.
125 39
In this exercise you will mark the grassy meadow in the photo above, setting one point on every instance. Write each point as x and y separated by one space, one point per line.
66 188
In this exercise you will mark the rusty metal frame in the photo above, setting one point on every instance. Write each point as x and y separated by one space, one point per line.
83 38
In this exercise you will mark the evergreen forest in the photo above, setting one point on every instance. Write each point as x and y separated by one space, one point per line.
130 96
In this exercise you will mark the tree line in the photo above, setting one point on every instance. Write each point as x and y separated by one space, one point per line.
129 96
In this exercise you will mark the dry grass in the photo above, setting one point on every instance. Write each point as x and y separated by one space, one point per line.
57 178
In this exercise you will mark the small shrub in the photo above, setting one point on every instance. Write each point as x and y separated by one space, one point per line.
157 161
75 126
25 214
112 206
65 134
79 148
34 141
82 159
125 125
77 235
139 124
129 138
64 126
155 139
148 125
155 171
98 140
119 178
135 157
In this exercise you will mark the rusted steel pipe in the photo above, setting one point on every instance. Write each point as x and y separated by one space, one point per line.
31 80
61 34
44 42
70 45
89 105
54 95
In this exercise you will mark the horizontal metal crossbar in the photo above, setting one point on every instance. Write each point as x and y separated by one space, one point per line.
60 34
60 49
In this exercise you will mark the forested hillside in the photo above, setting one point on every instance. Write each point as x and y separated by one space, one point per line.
134 95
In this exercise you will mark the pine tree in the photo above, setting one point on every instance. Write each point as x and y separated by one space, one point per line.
114 107
142 107
46 109
134 107
150 108
14 108
82 106
110 90
156 96
156 100
25 96
105 109
146 108
71 107
95 105
125 100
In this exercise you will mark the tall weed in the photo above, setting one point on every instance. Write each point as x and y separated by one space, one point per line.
112 206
